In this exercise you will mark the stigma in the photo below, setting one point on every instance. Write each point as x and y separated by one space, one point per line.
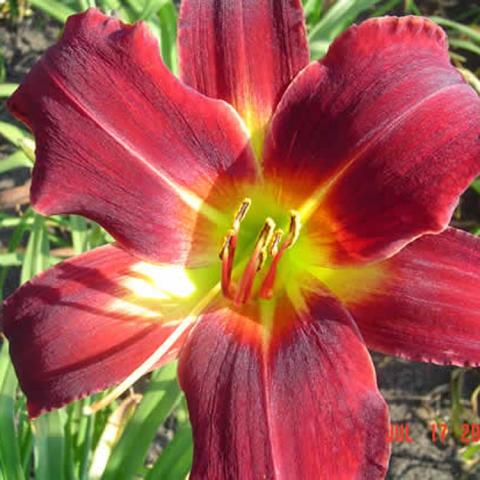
270 246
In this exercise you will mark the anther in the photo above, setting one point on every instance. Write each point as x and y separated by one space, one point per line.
227 253
294 228
275 243
258 257
266 289
241 213
267 231
226 244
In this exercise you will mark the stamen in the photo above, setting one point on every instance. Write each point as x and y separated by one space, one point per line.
241 213
293 228
255 263
226 244
263 255
275 243
269 242
227 253
266 289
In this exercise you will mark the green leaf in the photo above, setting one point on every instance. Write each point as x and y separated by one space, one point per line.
456 412
57 10
3 69
167 16
465 45
476 185
133 8
14 134
313 10
98 236
176 460
411 7
160 398
6 89
459 27
19 137
11 221
86 446
470 452
319 48
11 259
151 7
471 78
15 239
385 8
85 4
49 446
10 462
338 18
17 159
79 231
38 249
27 446
69 449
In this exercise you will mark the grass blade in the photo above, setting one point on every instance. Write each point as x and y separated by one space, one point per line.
167 16
10 462
79 231
473 80
151 7
17 159
48 429
86 447
313 10
114 427
38 249
465 45
49 446
6 89
459 27
159 400
14 242
476 185
176 460
339 17
14 134
18 137
57 10
11 259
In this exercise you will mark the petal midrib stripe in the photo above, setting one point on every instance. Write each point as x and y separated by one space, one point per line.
189 198
376 135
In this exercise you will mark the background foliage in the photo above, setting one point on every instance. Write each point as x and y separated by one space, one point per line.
146 434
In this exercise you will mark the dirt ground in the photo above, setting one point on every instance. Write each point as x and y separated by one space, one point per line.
416 393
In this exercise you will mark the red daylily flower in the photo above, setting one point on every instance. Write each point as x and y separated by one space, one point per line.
330 191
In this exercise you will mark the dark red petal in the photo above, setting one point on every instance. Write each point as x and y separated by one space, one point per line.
77 328
122 141
383 135
427 306
243 51
297 401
